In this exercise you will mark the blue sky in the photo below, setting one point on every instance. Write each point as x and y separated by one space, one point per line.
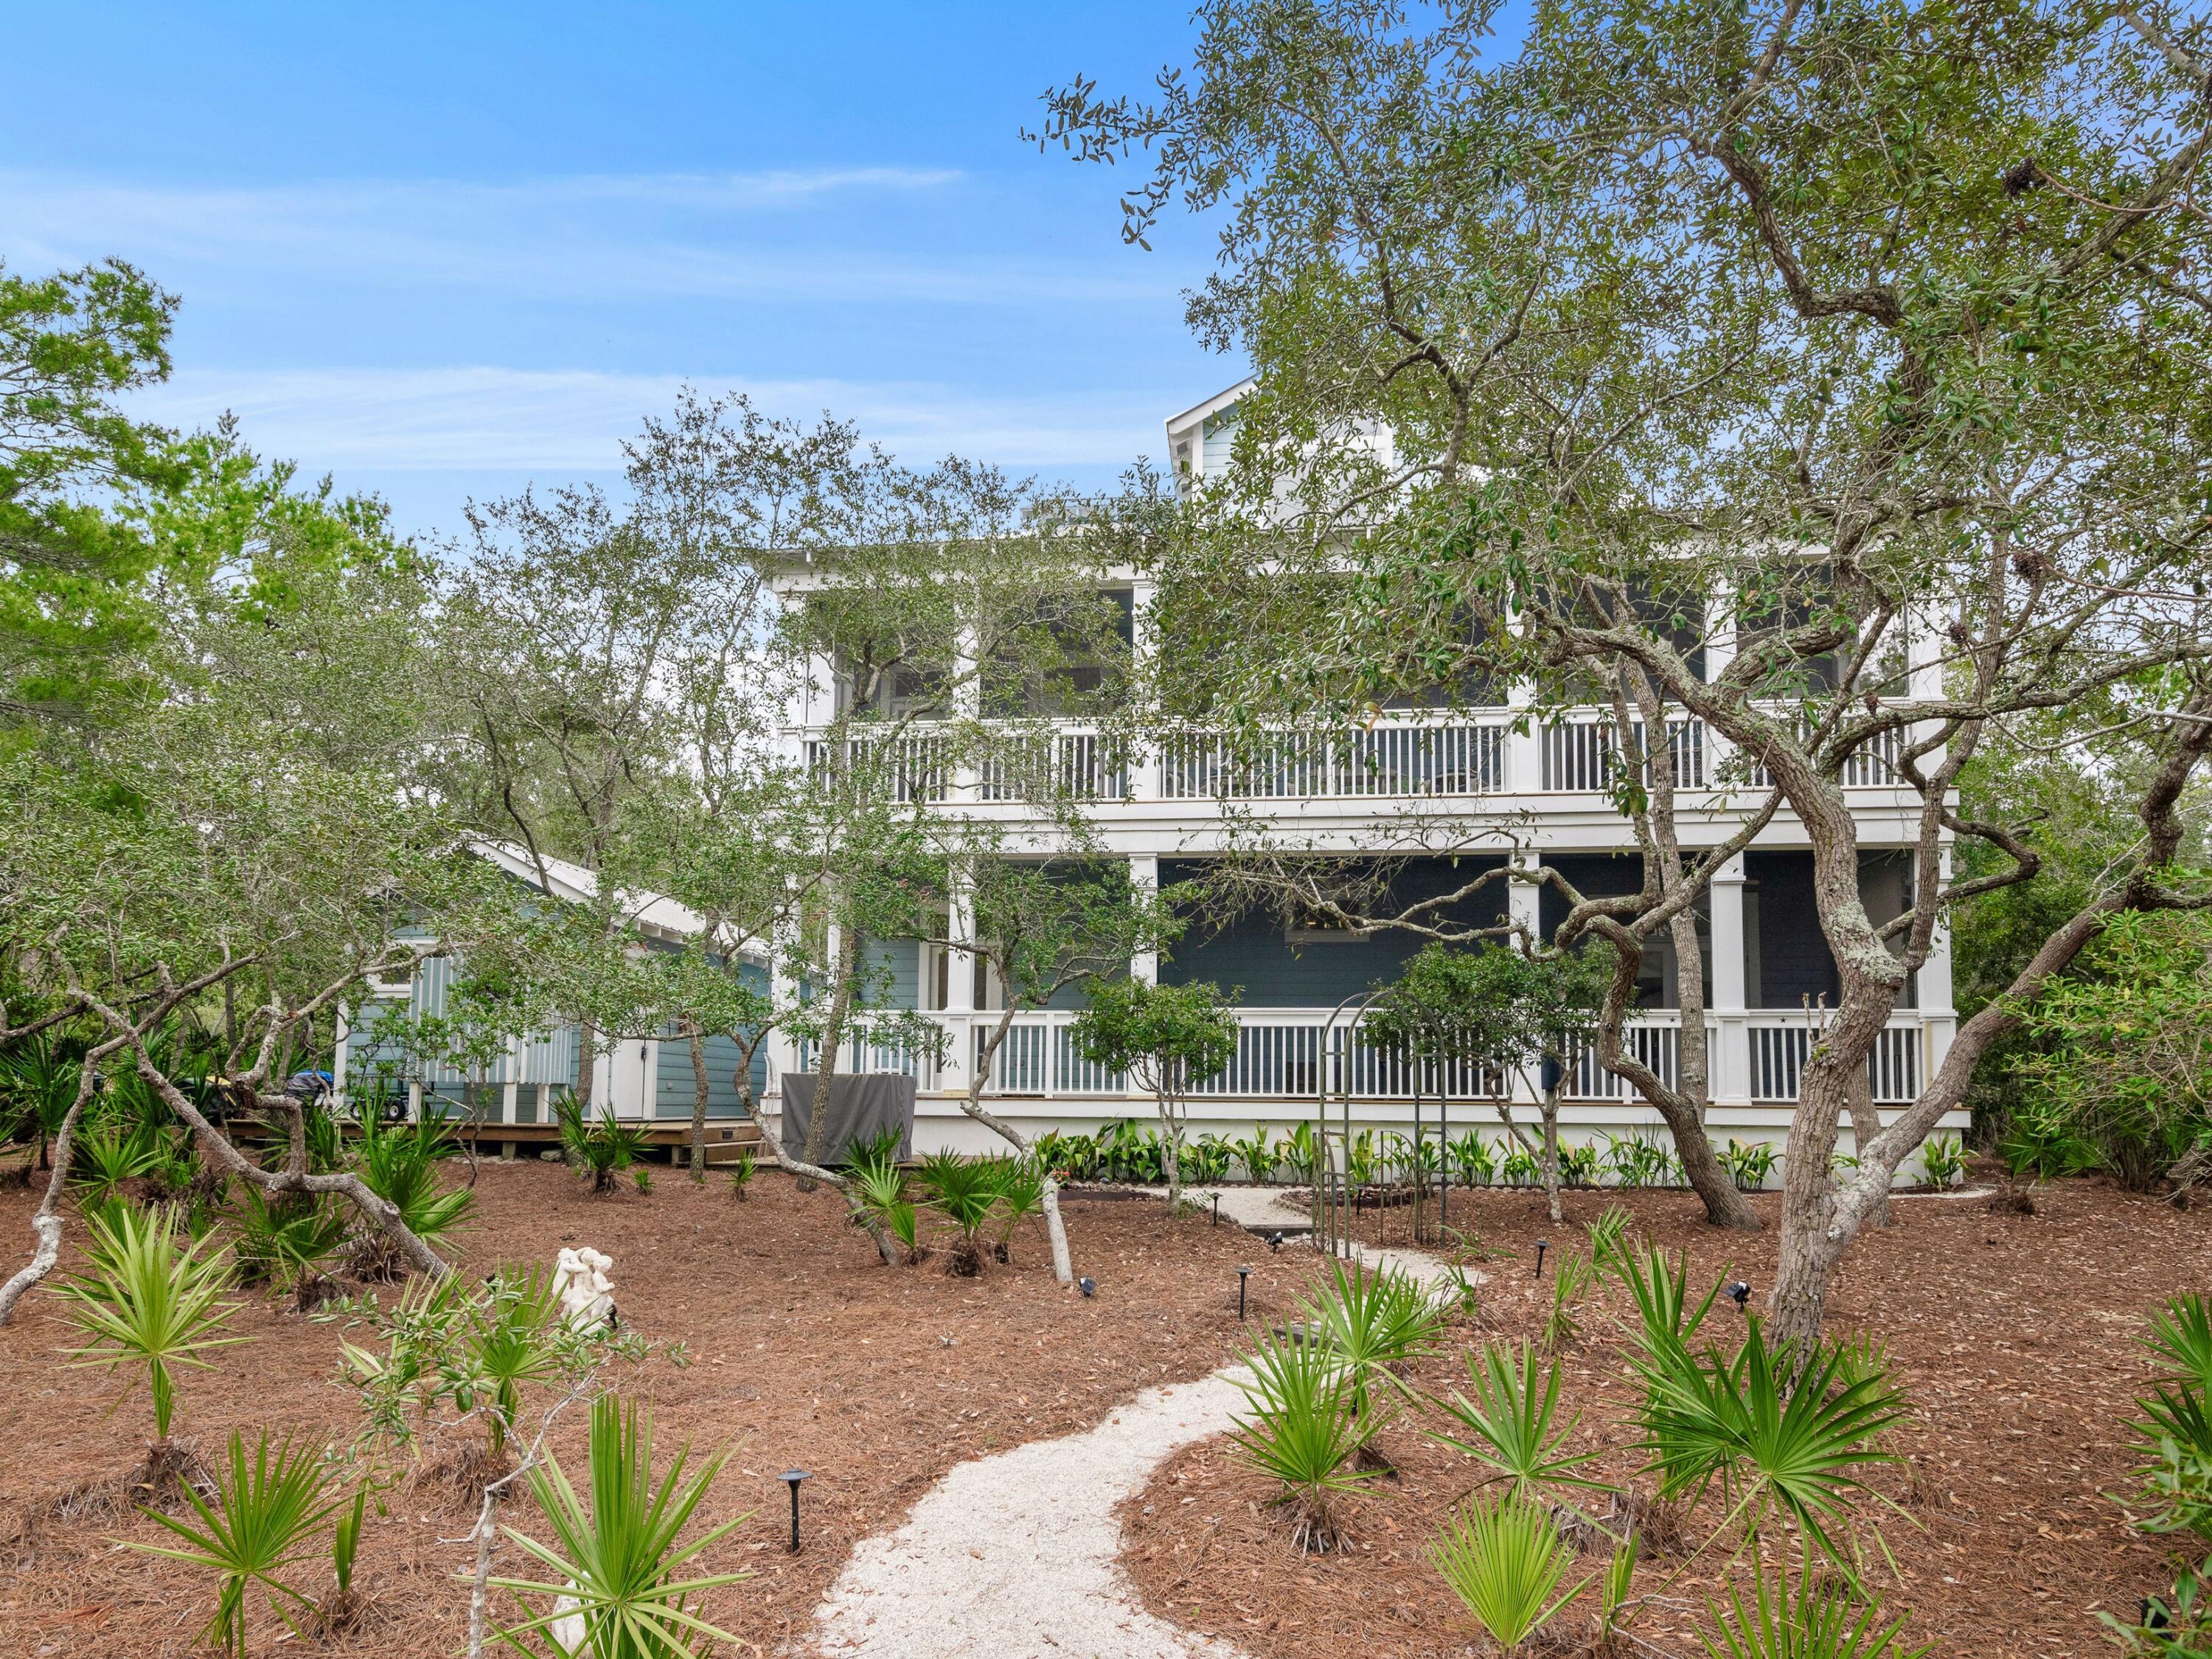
441 252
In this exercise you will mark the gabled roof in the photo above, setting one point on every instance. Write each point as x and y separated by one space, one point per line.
1199 413
650 913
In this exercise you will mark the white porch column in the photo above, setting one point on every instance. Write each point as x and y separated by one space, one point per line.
1524 750
1729 1060
1144 760
1524 908
1720 652
968 704
959 987
1145 877
1939 1019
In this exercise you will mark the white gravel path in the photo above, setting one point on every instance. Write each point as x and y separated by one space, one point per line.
1017 1556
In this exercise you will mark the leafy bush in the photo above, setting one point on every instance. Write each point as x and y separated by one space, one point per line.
1512 1423
1021 1194
1521 1169
253 1532
1256 1153
1303 1431
38 1086
1375 1325
512 1337
1942 1161
965 1193
1773 1444
398 1162
1749 1167
1504 1560
1578 1165
1473 1162
110 1152
284 1241
615 1587
601 1148
2174 1434
2177 1627
741 1175
1299 1151
148 1303
1206 1160
1815 1622
1637 1161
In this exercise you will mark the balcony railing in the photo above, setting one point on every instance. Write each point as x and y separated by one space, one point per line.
1390 758
1053 763
1287 1054
914 766
1583 755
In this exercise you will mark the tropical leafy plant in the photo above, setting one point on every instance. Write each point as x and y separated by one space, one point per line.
601 1148
38 1086
964 1192
1256 1153
741 1175
1303 1432
1473 1161
285 1240
1512 1422
1505 1560
338 1611
148 1303
615 1586
1521 1169
1021 1194
253 1532
111 1151
1749 1167
1942 1161
399 1163
1814 1621
1774 1442
1374 1325
510 1341
2175 1626
1299 1151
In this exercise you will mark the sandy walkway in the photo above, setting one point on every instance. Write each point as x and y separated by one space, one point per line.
1017 1556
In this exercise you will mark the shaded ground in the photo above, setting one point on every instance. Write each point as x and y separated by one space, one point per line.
804 1353
2012 1336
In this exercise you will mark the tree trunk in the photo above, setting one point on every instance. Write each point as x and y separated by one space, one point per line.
1866 1129
587 1065
1550 1110
833 1040
699 1093
1063 1267
47 1221
1171 1148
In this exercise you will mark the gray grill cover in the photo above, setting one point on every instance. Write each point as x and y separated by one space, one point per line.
860 1107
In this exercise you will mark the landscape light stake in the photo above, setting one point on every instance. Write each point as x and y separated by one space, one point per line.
790 1478
1244 1277
1216 1209
1739 1293
1542 1245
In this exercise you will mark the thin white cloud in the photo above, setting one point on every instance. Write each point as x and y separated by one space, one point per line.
553 422
587 238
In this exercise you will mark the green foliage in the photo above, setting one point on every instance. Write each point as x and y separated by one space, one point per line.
1749 1167
619 1558
2174 1434
1166 1036
1512 1422
512 1336
1775 1443
964 1192
600 1148
2124 1077
38 1085
1571 1278
1637 1161
1256 1153
741 1175
1021 1194
1504 1560
285 1240
1473 1162
1303 1431
399 1163
1374 1324
1299 1151
346 1542
254 1532
110 1152
1814 1621
2175 1626
1492 1007
148 1302
1942 1161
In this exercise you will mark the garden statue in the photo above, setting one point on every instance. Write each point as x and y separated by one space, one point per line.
579 1280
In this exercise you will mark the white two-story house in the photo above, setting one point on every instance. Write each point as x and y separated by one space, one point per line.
1544 792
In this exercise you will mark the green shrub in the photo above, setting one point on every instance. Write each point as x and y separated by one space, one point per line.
285 1241
601 1148
1375 1325
1304 1433
615 1564
964 1192
1504 1560
1512 1423
253 1532
1815 1622
148 1303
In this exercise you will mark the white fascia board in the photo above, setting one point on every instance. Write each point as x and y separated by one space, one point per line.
1198 414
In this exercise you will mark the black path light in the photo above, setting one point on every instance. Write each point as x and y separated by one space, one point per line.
1542 1245
790 1478
1087 1284
1216 1209
1243 1278
1739 1293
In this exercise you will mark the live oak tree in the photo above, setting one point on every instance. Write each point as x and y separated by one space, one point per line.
1167 1038
237 854
1875 330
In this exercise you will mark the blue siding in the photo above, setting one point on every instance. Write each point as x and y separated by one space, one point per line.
673 1085
1251 952
895 972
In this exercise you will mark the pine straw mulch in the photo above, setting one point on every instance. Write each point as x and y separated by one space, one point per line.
2012 1335
804 1353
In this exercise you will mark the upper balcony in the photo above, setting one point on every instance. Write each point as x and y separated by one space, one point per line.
1463 757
